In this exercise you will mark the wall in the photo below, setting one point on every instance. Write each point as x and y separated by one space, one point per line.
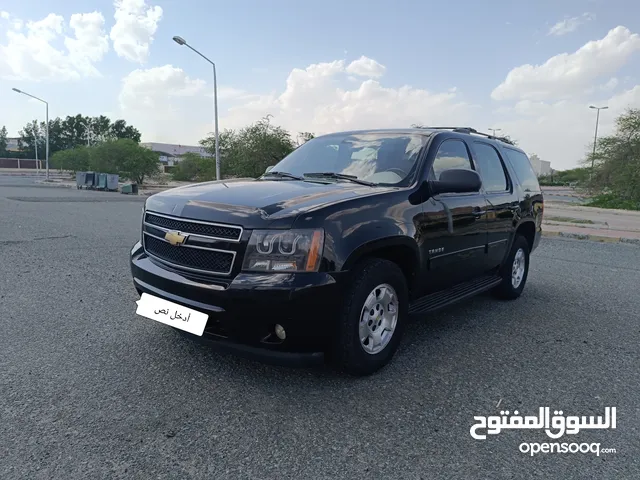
19 163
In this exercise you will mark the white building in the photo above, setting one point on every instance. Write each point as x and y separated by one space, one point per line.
170 153
545 168
541 167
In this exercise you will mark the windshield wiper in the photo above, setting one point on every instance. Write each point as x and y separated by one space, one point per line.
284 175
341 176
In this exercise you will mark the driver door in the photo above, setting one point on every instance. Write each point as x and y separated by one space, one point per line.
453 228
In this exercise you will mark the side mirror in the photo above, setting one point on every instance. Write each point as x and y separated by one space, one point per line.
456 181
269 168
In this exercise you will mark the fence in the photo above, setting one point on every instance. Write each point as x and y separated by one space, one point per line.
26 163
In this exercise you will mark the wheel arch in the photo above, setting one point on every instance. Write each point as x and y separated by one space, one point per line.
401 250
528 230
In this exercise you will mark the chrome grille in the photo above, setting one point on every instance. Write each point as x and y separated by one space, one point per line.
197 259
204 229
196 253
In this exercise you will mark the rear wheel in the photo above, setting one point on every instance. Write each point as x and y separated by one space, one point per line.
372 318
515 270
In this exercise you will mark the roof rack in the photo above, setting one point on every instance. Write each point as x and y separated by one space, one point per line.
469 131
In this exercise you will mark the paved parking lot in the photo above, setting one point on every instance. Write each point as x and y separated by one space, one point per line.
90 390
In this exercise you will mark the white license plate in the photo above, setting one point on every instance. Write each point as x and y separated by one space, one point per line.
172 314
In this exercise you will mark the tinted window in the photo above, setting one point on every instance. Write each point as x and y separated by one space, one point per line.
491 169
451 154
524 170
376 157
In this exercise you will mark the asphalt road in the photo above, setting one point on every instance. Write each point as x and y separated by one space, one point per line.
90 390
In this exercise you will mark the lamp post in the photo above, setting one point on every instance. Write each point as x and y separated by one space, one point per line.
182 41
595 137
495 130
47 126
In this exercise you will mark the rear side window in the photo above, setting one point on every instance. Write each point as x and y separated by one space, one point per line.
491 169
524 171
451 154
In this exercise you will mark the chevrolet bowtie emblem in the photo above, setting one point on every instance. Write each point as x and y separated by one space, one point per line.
175 238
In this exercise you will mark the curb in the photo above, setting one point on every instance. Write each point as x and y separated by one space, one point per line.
593 238
143 193
586 208
568 195
53 184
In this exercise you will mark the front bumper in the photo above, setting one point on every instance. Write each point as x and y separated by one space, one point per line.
243 311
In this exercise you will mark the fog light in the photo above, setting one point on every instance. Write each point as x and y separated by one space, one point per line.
280 333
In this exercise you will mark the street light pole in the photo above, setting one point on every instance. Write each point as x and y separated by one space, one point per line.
47 124
47 146
595 137
182 41
35 136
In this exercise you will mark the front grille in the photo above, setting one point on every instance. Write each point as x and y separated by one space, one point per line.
199 259
213 230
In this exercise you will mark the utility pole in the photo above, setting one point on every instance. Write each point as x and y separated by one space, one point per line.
595 137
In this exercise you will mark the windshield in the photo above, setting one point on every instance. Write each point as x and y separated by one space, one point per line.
380 158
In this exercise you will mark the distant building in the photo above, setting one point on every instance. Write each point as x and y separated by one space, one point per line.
541 167
170 153
12 144
545 168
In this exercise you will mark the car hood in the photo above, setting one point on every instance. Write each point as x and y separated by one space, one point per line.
254 203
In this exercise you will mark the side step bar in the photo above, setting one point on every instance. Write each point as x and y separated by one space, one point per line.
437 300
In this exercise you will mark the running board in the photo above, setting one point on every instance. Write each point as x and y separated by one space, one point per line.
437 300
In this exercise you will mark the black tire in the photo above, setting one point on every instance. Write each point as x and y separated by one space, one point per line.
348 353
506 290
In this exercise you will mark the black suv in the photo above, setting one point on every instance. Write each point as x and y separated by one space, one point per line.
330 251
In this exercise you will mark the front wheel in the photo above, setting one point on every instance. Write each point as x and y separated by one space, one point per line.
515 270
372 318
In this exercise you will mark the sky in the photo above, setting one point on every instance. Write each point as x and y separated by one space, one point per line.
530 69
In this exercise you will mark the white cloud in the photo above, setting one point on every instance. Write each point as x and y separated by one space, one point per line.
366 67
5 15
569 25
150 87
90 43
136 24
32 54
315 99
318 98
565 73
562 131
165 103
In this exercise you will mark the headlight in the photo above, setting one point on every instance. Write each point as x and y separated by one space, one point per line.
284 251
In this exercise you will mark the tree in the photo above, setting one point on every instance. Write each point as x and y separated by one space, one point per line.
73 132
125 157
304 137
120 129
249 151
74 159
3 141
575 176
194 168
617 160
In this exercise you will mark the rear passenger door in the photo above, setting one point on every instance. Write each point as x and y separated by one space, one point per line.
502 201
